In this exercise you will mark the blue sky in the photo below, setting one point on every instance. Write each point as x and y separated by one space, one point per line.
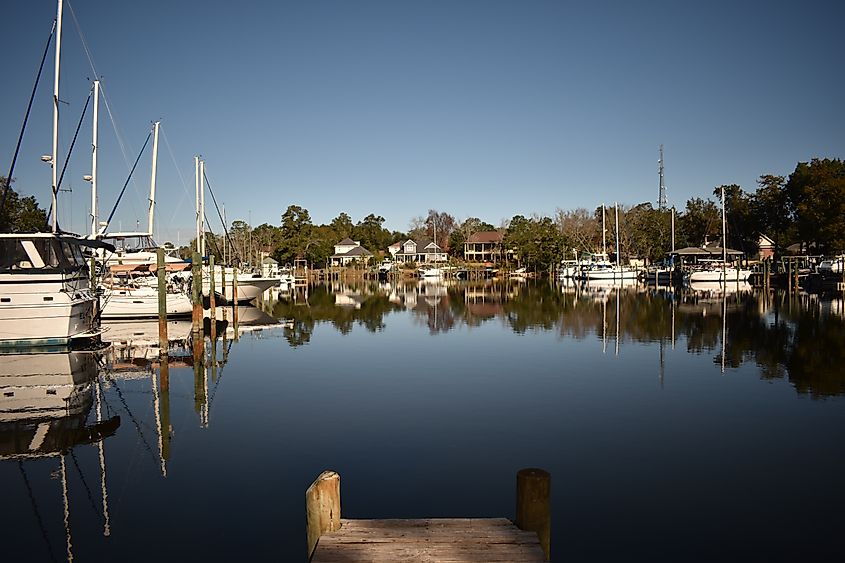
480 108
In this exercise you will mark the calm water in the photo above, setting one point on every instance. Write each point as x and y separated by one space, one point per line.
676 426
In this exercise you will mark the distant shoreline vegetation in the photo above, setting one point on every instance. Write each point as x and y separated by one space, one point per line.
807 208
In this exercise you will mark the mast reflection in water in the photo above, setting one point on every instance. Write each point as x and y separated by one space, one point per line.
678 424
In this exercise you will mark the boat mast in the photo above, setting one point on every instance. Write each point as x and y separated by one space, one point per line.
617 236
202 207
603 231
94 142
54 154
197 199
724 230
153 180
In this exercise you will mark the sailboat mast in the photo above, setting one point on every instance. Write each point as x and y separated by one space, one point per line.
603 231
94 144
153 180
54 155
617 236
724 230
197 199
202 206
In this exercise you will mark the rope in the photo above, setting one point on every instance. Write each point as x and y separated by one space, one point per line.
108 221
25 119
220 215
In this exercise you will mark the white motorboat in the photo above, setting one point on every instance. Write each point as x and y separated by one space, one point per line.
832 266
430 273
45 298
250 286
138 302
718 272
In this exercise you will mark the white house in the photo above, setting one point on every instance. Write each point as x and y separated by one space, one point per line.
420 251
347 251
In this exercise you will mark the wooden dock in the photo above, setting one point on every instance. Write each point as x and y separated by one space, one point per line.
335 540
429 540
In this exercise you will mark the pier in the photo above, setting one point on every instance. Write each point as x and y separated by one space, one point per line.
332 539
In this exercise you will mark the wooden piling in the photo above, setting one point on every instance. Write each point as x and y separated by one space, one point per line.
196 273
164 385
322 508
533 505
212 301
161 272
235 300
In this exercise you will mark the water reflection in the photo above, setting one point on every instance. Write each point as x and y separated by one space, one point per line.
788 336
44 415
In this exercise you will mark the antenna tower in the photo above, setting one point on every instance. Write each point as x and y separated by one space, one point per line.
661 198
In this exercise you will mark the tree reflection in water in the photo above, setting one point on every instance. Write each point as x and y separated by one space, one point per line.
794 337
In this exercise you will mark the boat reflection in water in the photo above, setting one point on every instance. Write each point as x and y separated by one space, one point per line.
45 402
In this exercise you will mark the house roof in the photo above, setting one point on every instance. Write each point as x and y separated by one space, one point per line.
486 236
705 251
347 242
357 251
268 260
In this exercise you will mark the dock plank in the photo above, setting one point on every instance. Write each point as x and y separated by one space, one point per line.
447 540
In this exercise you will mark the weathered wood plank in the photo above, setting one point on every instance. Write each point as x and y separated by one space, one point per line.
428 540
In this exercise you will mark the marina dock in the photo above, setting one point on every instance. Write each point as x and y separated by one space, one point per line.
335 540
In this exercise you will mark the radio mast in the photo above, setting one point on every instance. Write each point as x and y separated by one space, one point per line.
661 198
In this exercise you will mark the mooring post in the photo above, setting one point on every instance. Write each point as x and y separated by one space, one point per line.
533 505
235 300
161 272
223 287
196 274
212 302
322 508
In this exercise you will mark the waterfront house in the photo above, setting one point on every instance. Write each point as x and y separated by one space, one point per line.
765 247
348 251
421 251
484 246
269 267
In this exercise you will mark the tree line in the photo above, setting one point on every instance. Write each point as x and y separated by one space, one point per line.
807 207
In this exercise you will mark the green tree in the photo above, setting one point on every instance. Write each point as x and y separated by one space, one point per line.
536 242
742 225
816 193
342 226
296 234
19 214
770 207
700 221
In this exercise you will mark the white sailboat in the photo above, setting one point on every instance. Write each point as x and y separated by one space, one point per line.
608 271
45 298
720 271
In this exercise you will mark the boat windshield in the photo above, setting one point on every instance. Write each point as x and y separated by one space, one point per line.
17 254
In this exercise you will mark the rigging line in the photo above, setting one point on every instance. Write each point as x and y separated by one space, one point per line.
73 143
25 119
84 483
58 187
37 512
219 214
179 173
108 221
132 418
102 86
